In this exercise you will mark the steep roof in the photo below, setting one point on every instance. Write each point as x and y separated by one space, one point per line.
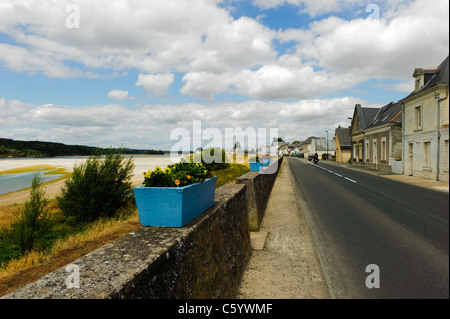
308 140
390 113
343 134
362 117
432 77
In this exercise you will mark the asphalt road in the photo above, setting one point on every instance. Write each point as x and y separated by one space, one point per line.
357 219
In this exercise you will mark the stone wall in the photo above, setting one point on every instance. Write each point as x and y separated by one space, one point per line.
204 259
259 187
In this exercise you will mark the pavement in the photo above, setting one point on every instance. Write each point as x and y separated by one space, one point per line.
284 264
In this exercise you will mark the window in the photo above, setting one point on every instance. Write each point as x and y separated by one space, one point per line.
417 84
418 117
383 150
427 154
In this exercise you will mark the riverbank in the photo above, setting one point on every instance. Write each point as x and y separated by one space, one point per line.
52 188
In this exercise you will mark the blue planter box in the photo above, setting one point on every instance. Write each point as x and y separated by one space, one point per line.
174 206
255 167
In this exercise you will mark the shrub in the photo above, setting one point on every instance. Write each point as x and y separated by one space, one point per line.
97 188
212 159
33 222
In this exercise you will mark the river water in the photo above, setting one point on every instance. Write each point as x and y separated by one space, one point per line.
18 181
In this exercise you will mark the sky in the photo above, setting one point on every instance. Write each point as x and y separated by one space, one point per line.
135 73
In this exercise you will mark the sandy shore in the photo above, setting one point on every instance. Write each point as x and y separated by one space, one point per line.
52 189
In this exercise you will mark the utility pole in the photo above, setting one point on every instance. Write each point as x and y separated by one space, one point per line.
327 145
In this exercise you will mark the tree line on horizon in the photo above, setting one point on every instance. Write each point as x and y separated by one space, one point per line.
15 149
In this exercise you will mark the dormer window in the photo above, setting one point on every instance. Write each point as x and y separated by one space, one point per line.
419 82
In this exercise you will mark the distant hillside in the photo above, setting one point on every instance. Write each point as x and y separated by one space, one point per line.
12 148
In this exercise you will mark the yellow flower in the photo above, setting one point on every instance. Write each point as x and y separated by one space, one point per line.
167 171
188 176
158 169
177 182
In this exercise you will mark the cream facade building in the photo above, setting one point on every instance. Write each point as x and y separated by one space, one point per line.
426 124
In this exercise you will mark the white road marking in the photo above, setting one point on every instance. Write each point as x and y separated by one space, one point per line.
351 180
325 169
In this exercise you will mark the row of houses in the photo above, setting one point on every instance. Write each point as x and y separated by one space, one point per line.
311 145
408 137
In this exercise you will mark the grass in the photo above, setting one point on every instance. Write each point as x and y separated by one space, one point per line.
77 241
228 175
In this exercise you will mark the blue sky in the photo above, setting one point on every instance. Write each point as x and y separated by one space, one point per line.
134 71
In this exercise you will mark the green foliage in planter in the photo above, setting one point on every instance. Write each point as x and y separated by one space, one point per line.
97 188
212 159
176 175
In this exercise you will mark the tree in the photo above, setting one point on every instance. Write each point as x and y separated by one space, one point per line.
34 221
97 187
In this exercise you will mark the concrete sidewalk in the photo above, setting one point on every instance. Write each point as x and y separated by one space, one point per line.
421 182
283 264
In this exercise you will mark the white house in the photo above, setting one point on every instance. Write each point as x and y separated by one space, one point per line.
426 124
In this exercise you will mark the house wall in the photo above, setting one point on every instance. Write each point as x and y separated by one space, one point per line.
342 155
358 149
391 136
422 144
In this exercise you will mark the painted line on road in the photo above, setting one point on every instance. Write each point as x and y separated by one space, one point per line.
330 171
351 180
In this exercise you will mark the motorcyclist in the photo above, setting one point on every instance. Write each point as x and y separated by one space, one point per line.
316 156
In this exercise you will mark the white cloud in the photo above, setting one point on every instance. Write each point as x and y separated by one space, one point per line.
118 95
146 35
289 78
156 84
216 53
409 36
116 125
87 116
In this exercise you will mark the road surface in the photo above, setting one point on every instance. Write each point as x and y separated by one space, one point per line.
374 237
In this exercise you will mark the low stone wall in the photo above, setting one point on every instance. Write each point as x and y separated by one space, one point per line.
259 187
204 259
